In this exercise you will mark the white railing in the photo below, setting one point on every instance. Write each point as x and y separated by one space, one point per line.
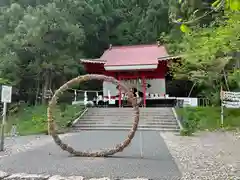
92 95
84 96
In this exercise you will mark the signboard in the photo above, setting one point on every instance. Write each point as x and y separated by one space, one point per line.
6 96
230 99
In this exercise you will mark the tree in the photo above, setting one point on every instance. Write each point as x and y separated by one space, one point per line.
206 52
43 40
46 40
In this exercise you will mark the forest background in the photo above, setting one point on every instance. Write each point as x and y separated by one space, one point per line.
41 42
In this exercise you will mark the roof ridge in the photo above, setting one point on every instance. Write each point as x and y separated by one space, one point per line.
134 46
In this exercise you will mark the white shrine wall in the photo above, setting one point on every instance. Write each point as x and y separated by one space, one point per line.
108 86
158 86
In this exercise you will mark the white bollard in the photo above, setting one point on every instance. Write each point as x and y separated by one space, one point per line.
75 95
85 98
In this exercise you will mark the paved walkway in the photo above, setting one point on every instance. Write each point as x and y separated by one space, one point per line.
46 158
207 155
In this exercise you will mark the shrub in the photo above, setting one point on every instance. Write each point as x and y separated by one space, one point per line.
207 118
190 121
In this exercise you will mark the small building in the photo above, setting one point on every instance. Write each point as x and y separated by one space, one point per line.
141 66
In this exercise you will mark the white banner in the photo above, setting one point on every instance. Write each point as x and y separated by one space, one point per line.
231 96
230 104
230 99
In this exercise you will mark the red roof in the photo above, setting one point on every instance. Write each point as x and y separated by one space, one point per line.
133 55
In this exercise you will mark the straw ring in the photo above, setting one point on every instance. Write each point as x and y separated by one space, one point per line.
104 153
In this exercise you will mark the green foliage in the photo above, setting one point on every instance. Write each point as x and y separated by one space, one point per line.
234 5
190 122
207 118
4 81
234 79
33 120
43 40
197 11
184 28
208 56
191 12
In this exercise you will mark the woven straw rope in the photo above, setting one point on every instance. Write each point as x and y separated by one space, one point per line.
52 127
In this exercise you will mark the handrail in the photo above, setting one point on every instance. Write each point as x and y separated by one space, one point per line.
84 90
81 115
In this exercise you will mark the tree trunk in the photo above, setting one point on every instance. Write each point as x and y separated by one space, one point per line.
190 92
46 86
225 78
37 89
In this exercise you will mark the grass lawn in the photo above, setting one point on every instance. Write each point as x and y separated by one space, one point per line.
33 120
209 118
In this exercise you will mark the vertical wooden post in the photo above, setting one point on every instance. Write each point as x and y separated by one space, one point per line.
3 126
222 109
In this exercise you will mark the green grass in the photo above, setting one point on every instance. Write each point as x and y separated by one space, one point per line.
33 120
209 118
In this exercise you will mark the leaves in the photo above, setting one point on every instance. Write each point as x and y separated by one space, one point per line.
184 28
234 5
43 40
207 51
216 3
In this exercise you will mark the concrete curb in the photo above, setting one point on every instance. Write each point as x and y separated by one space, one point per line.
24 176
176 117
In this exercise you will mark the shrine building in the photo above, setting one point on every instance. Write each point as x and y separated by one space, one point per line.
141 66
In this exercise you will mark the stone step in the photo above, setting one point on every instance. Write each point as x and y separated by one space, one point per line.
116 122
155 119
128 110
129 115
77 129
126 119
126 126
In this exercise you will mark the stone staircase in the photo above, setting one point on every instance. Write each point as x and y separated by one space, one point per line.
151 119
